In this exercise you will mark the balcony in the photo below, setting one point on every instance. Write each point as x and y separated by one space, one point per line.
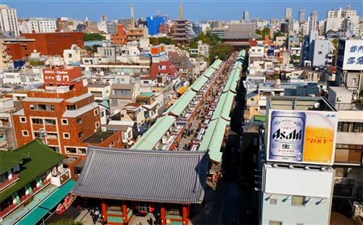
9 182
349 106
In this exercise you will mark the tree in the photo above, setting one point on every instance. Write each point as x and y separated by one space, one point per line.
221 50
92 48
162 40
265 31
93 37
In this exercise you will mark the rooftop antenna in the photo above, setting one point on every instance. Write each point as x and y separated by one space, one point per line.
132 12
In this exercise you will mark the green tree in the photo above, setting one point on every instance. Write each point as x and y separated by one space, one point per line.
335 43
221 50
93 37
265 31
162 40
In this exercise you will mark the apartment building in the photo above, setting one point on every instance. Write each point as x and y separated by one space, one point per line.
63 114
9 18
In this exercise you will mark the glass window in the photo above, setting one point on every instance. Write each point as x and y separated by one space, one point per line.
79 120
80 134
25 133
64 122
71 107
52 135
298 200
37 121
50 121
66 135
71 150
82 150
22 119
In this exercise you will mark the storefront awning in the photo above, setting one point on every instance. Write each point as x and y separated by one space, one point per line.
48 204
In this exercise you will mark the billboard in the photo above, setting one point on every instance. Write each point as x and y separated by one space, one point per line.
301 136
61 76
353 55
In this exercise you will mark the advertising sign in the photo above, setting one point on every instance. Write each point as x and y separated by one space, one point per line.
61 76
353 55
301 136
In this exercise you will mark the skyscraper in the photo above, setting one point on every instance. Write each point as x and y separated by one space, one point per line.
9 20
246 16
313 20
288 13
302 15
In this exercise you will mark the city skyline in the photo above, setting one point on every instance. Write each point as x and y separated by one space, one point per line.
200 10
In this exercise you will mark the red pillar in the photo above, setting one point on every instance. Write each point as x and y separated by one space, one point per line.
124 212
104 210
185 214
162 215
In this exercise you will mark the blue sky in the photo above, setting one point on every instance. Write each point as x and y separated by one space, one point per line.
193 9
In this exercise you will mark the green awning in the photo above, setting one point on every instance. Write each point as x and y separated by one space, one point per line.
219 108
34 216
208 72
149 139
48 204
216 64
198 84
58 195
181 104
227 106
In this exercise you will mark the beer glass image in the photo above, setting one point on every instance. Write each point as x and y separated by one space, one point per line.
286 136
319 137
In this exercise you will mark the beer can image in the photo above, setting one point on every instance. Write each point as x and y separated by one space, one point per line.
287 136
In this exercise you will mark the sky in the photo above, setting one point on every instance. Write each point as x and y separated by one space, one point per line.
195 10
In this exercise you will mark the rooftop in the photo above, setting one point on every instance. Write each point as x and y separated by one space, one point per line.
299 103
167 177
98 137
36 158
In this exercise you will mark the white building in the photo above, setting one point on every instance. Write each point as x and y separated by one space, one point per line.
313 21
72 56
9 20
346 20
288 13
203 49
41 25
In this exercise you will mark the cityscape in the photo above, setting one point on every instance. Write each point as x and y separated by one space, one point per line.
181 113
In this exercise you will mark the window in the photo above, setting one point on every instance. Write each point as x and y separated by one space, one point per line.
97 125
64 122
37 121
111 144
71 107
71 150
273 222
298 200
66 135
122 92
320 52
273 201
51 135
50 121
96 112
36 134
80 134
82 150
114 102
25 133
22 119
79 120
42 107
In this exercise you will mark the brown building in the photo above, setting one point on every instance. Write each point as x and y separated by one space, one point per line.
45 43
121 37
63 115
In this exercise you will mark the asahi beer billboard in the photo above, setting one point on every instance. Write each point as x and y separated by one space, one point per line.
301 136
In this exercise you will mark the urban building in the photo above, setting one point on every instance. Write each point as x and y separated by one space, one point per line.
349 65
313 21
239 35
288 13
246 16
343 20
301 15
39 25
33 182
349 145
4 56
121 37
63 115
7 139
153 24
45 43
9 21
292 163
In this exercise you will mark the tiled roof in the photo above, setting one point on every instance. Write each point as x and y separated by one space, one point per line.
147 176
170 69
37 159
